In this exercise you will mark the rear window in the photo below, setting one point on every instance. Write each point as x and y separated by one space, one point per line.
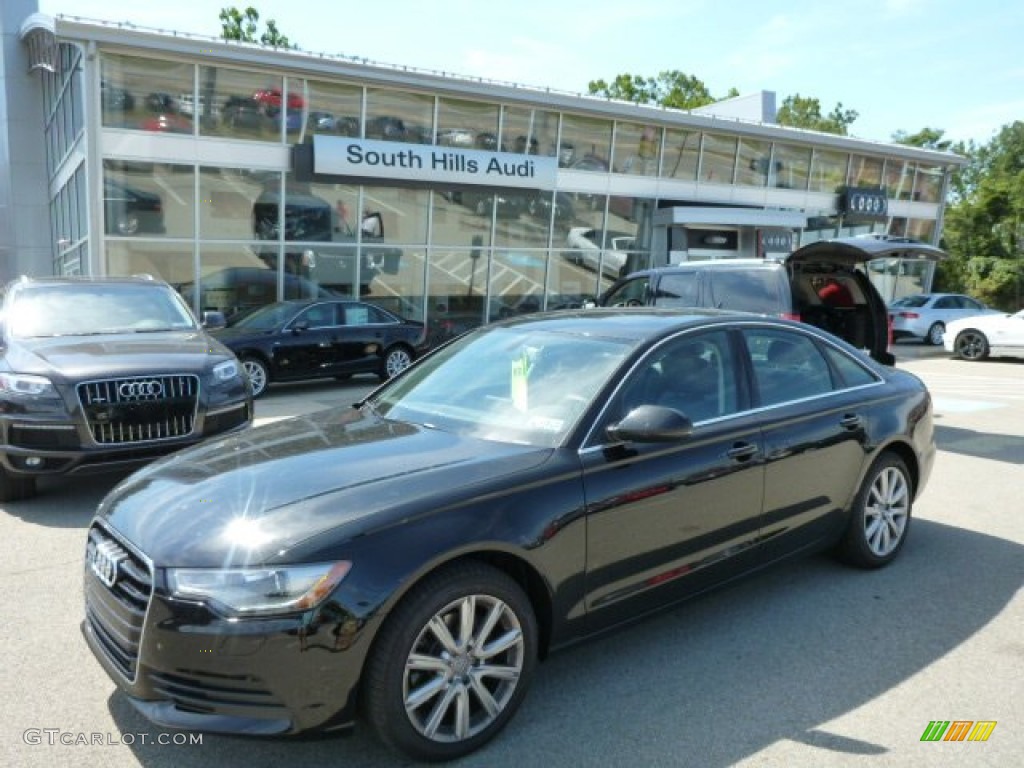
910 301
755 290
677 289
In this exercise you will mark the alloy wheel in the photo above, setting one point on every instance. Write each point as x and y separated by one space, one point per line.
257 374
935 334
971 345
397 361
886 511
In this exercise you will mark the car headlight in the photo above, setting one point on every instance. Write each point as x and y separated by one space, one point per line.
25 385
226 371
260 591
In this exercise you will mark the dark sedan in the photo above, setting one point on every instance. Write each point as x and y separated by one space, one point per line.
315 339
530 483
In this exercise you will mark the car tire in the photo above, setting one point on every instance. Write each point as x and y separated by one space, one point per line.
880 516
934 336
396 360
127 223
428 666
16 488
971 345
258 373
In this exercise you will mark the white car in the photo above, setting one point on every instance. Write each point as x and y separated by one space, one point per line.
924 316
975 338
585 249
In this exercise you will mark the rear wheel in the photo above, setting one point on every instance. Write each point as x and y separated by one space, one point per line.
971 345
452 664
396 360
880 515
15 487
259 376
935 334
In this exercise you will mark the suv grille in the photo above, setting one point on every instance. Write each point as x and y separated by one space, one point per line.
141 409
116 611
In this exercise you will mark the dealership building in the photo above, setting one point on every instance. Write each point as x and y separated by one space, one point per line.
243 173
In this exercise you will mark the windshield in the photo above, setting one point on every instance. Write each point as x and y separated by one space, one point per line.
506 384
268 317
910 301
86 309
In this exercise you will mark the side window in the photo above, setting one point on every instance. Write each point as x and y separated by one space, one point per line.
852 372
946 302
966 303
695 375
630 294
756 290
318 316
677 289
358 314
787 366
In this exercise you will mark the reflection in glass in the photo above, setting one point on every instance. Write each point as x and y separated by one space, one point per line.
828 170
171 262
529 131
718 158
456 221
333 108
241 104
146 94
394 215
682 153
928 184
457 282
231 198
399 116
467 124
637 148
517 282
585 144
397 279
865 171
899 176
147 200
521 228
792 167
755 164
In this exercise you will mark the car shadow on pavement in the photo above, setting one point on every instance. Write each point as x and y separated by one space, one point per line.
65 502
983 445
715 681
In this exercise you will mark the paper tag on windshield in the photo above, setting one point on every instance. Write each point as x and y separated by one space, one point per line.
519 385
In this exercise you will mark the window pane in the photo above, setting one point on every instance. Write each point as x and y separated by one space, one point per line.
787 366
754 162
399 116
462 217
235 204
792 167
238 103
899 176
146 200
529 131
467 124
457 283
402 215
865 171
636 149
172 262
397 279
585 143
718 158
682 153
928 184
148 94
517 283
334 108
828 170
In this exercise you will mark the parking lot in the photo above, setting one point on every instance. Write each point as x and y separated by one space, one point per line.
811 664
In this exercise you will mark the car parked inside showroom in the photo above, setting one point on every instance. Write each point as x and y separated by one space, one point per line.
991 335
322 338
924 316
106 373
128 210
411 559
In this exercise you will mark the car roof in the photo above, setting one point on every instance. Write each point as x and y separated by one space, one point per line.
87 279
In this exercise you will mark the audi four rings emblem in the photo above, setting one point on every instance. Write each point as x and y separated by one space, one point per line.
136 389
104 561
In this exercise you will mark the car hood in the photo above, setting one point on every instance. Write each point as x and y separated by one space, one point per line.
112 355
850 251
252 497
982 321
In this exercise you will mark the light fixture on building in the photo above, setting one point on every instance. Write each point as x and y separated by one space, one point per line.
38 33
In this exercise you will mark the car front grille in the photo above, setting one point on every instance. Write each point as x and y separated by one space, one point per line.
140 409
118 586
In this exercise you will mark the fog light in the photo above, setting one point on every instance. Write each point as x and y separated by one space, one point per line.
34 462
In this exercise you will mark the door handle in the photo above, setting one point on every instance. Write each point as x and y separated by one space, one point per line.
851 421
741 451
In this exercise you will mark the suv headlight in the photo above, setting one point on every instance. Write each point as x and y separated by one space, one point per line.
262 591
25 385
226 371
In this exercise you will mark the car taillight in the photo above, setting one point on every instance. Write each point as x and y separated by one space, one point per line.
790 316
909 315
888 339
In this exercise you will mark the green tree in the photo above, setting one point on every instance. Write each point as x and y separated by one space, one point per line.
805 112
984 224
926 138
670 88
243 26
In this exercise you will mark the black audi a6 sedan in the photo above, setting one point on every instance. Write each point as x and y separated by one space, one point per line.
322 338
101 373
411 558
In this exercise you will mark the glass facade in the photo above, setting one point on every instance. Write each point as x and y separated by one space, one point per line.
250 229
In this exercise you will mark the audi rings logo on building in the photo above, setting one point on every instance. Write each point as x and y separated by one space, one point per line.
104 561
136 390
865 203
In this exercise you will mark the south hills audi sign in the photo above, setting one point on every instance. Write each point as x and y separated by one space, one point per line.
337 156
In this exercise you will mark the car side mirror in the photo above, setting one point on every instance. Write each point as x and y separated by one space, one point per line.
213 320
651 424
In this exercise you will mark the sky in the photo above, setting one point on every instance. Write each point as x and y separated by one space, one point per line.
903 65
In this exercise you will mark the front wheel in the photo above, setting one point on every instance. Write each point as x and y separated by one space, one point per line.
452 664
971 345
259 376
396 360
880 515
935 334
